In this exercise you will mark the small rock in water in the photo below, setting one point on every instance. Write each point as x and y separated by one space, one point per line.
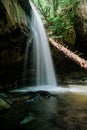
3 104
36 98
44 94
27 119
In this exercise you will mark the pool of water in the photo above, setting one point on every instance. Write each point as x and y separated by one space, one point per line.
46 109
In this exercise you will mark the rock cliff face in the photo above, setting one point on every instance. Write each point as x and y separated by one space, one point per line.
81 26
82 13
14 32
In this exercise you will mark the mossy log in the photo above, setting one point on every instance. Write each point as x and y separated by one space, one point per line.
80 61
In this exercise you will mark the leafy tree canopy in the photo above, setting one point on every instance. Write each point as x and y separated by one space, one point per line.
58 14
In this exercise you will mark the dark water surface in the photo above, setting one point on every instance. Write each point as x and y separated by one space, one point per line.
45 111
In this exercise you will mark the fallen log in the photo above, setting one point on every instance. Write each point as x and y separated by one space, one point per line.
71 55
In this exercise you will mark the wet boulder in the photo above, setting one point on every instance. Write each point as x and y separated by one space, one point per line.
3 104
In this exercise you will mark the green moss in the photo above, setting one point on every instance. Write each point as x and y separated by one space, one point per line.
69 36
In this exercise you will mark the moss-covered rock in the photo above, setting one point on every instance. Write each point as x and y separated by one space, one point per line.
14 14
14 29
3 104
69 36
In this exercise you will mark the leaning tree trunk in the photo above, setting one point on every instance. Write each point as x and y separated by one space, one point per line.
80 61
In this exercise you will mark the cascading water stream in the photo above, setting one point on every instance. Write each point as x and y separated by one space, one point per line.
45 74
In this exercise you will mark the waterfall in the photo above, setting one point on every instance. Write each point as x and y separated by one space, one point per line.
44 69
45 75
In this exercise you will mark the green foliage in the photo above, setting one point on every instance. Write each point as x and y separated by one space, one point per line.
59 15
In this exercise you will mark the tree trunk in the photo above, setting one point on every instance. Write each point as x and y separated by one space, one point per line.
80 61
54 6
